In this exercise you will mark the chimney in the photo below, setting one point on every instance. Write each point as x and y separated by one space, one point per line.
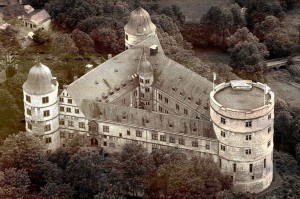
75 78
109 56
65 86
153 50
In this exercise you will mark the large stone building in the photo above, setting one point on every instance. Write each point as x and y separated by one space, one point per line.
143 96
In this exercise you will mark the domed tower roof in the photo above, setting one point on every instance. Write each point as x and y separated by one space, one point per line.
145 67
39 80
139 23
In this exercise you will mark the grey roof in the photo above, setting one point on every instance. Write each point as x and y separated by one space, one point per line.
169 76
139 23
39 80
107 112
39 16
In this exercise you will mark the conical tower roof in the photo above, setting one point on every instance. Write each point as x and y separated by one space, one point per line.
139 23
39 80
145 67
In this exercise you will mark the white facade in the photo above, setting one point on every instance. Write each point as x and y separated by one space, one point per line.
245 141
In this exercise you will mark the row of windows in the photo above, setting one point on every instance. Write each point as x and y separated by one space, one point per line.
147 81
162 138
45 100
63 135
248 137
71 123
46 127
247 123
68 109
61 99
247 151
234 165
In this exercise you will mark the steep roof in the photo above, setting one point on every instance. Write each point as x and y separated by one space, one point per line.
169 76
107 112
39 80
139 23
39 17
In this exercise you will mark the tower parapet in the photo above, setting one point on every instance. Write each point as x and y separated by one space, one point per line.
242 113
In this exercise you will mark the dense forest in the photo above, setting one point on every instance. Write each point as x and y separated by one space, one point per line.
85 30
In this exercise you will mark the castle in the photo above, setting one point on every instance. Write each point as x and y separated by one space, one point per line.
143 96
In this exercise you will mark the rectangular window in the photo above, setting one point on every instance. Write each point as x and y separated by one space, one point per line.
48 127
105 128
154 136
195 143
45 100
185 111
68 109
223 133
46 113
70 123
234 167
248 151
139 133
166 111
223 147
135 93
147 90
141 80
120 134
71 135
207 146
269 129
70 101
61 99
159 96
77 111
248 137
128 132
265 163
147 103
142 95
62 134
61 108
160 109
48 140
177 107
252 177
162 138
220 163
61 122
172 139
28 99
269 116
223 121
81 125
250 168
147 81
166 100
248 124
28 111
126 36
181 141
29 125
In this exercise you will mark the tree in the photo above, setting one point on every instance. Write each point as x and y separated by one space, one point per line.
36 3
216 24
135 167
63 45
25 151
239 20
40 36
282 127
246 52
257 10
83 42
14 183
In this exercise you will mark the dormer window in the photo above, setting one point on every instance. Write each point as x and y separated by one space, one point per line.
190 98
173 89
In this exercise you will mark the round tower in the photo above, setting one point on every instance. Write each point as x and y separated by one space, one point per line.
138 28
41 105
145 72
242 113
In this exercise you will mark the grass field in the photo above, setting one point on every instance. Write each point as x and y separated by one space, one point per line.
194 9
